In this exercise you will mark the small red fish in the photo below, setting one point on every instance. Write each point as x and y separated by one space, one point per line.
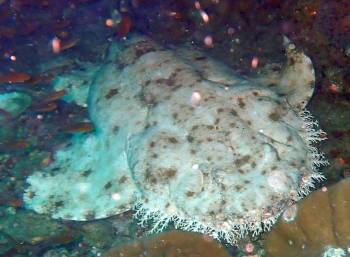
81 127
124 27
55 96
14 146
14 77
46 107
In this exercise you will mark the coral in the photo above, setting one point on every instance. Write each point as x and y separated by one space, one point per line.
322 223
174 243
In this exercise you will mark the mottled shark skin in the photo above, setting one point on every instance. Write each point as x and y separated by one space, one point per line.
180 138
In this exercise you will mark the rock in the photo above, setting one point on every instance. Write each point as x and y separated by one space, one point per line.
98 234
174 243
34 229
322 220
14 103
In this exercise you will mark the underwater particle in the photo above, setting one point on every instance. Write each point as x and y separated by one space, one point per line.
324 189
204 16
231 31
290 214
249 248
197 5
116 196
13 58
334 88
255 62
208 41
56 45
196 98
109 23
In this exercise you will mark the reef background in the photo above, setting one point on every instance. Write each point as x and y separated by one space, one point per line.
245 34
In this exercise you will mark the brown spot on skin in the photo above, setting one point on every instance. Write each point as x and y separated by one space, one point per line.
152 144
264 172
275 116
190 194
241 161
238 188
154 156
142 49
173 140
68 217
209 139
233 112
170 173
223 187
211 127
223 202
241 171
255 93
115 129
112 93
175 115
273 168
147 82
31 194
86 173
122 179
190 139
249 122
217 120
232 125
311 84
167 205
59 204
253 164
108 185
219 110
194 127
169 82
241 103
289 138
90 215
291 61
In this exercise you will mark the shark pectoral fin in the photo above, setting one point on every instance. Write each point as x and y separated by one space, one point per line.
297 80
86 181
